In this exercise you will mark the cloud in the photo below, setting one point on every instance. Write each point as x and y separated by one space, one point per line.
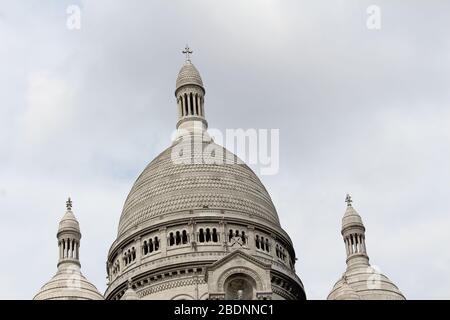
366 112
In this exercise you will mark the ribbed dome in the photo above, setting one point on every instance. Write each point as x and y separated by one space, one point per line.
68 284
351 218
188 75
367 283
69 223
166 187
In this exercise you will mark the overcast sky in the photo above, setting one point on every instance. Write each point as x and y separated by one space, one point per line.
362 111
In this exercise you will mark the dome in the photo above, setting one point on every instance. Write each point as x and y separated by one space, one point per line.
68 284
367 283
69 223
188 75
167 187
351 218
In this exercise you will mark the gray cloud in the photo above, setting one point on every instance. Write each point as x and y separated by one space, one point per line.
360 111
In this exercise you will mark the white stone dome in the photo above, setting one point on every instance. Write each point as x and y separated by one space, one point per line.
188 75
68 284
69 223
165 188
367 283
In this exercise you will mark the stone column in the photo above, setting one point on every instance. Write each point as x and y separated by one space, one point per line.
163 241
251 239
137 242
272 247
121 265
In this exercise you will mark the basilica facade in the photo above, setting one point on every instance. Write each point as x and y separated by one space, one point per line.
199 224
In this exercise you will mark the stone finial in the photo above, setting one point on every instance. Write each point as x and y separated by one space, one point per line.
69 204
349 200
187 51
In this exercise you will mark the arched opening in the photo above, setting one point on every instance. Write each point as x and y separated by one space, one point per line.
257 242
171 239
145 247
196 104
240 287
230 235
178 238
191 100
214 235
208 235
243 237
150 245
156 244
184 237
201 236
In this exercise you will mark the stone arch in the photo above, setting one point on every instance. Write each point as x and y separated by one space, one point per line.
240 270
183 296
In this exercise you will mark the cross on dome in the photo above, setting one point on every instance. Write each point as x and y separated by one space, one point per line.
187 51
349 200
69 204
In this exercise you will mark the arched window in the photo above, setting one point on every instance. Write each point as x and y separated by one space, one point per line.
145 247
185 103
150 245
196 104
192 103
208 235
257 242
177 238
133 254
262 243
214 235
230 235
184 237
201 236
171 239
267 245
156 244
243 237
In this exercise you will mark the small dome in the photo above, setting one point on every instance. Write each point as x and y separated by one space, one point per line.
69 223
188 75
351 218
367 283
68 284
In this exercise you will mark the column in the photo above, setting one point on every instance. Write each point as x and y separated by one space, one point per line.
121 264
138 245
179 107
163 241
251 239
